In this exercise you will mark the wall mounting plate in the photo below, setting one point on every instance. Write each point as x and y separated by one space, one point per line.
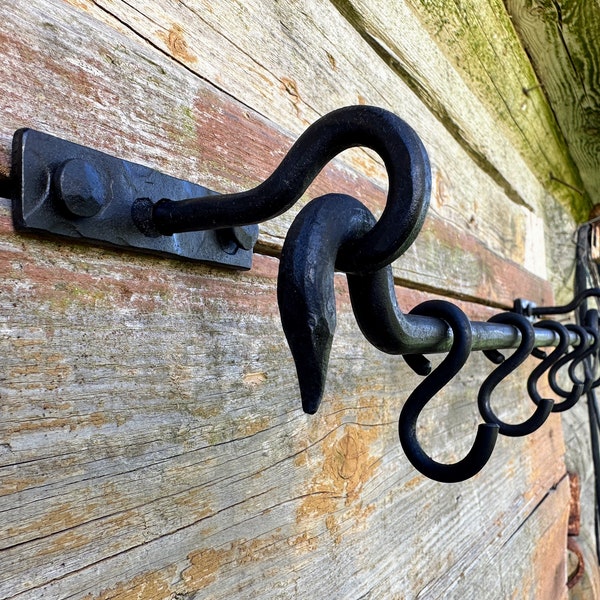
73 191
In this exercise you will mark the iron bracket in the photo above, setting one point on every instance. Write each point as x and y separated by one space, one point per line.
64 189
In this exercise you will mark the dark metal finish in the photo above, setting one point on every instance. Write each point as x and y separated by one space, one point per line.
307 301
62 188
575 357
537 419
388 329
80 188
565 308
547 363
398 145
487 434
305 289
69 190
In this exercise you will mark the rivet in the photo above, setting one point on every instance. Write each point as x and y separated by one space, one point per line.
233 238
80 188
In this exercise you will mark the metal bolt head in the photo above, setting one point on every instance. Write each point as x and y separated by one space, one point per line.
80 188
245 237
233 238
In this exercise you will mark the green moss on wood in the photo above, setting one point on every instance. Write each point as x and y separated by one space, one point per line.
480 41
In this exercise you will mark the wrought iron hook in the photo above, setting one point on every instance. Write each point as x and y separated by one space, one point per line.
591 325
547 362
544 408
487 434
563 309
575 357
409 186
305 289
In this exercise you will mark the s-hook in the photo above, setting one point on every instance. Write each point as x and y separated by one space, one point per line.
536 311
576 357
452 363
506 367
547 362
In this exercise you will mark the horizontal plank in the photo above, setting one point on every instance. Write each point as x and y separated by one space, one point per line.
347 62
336 62
193 119
576 427
153 442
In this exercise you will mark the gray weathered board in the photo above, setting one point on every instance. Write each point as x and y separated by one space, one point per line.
152 444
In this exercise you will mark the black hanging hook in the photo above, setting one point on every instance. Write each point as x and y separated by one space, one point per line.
504 369
547 362
591 363
575 357
409 186
305 285
533 311
590 356
487 434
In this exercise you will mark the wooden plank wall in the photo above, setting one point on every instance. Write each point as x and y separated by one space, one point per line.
152 444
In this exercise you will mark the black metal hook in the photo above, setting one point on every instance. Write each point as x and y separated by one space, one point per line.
589 357
409 186
487 434
531 311
590 362
305 286
544 408
590 352
547 362
575 357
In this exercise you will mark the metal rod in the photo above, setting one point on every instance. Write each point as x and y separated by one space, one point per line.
428 335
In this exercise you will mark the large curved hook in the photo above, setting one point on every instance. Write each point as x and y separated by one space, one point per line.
547 362
305 286
487 434
505 368
409 179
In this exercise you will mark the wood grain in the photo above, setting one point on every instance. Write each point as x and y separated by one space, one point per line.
479 39
114 79
153 445
560 37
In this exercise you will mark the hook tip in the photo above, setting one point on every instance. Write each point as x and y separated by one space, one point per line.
312 385
311 397
418 363
494 356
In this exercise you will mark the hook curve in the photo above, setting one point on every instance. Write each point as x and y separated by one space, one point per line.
575 357
547 362
305 285
487 434
524 349
409 187
591 325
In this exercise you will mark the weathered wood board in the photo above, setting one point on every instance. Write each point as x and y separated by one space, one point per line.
200 120
333 66
480 41
152 444
561 37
